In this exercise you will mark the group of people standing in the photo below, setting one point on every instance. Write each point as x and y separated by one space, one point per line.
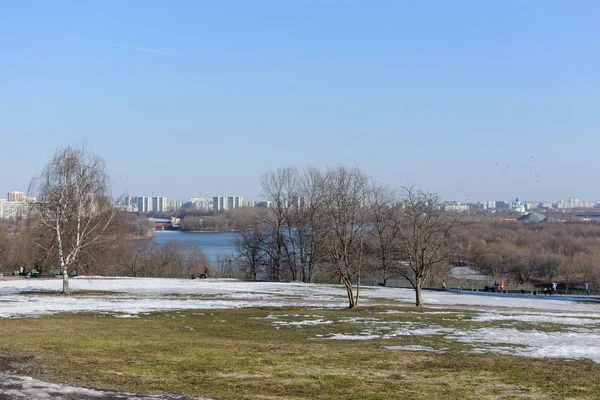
552 291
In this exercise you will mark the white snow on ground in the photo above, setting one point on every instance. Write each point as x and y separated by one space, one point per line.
302 323
24 387
304 293
535 343
22 306
582 344
390 332
539 318
580 322
414 347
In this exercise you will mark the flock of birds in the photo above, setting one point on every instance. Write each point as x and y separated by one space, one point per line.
504 170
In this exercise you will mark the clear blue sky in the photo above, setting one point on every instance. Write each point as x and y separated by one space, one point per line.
476 100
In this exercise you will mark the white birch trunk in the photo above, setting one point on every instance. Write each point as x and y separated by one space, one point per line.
66 289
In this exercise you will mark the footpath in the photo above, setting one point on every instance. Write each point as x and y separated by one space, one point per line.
594 299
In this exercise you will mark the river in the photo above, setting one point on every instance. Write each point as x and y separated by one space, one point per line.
212 243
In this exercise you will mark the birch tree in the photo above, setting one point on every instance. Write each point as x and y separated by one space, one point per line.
73 204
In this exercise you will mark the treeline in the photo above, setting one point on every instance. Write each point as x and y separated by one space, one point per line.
341 225
195 220
216 221
529 252
338 224
126 248
30 244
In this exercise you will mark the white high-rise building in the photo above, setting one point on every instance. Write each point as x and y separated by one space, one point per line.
14 209
234 202
16 196
144 204
219 203
159 204
175 205
227 203
202 203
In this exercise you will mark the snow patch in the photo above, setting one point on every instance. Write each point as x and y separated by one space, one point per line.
534 343
308 322
24 387
539 318
414 347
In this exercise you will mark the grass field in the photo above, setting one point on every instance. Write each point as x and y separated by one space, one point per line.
288 353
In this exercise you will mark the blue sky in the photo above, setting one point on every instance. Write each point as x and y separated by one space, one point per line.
475 100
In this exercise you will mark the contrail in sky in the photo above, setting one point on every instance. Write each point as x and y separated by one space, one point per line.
124 46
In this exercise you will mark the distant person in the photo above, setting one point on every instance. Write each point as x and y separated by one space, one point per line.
522 291
554 287
501 286
587 289
444 285
545 291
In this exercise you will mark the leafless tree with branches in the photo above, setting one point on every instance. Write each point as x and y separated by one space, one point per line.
423 237
384 232
73 204
344 234
280 187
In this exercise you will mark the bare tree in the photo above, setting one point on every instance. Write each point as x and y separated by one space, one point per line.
309 221
280 187
73 204
345 215
384 216
423 237
224 267
249 245
281 241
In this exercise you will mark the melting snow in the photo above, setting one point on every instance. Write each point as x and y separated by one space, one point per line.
302 323
414 347
580 322
24 387
539 318
535 343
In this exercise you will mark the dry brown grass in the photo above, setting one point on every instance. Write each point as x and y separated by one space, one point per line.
237 354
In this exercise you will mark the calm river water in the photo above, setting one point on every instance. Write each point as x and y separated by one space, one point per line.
212 243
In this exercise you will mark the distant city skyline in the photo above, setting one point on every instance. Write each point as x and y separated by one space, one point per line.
473 100
236 193
17 204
